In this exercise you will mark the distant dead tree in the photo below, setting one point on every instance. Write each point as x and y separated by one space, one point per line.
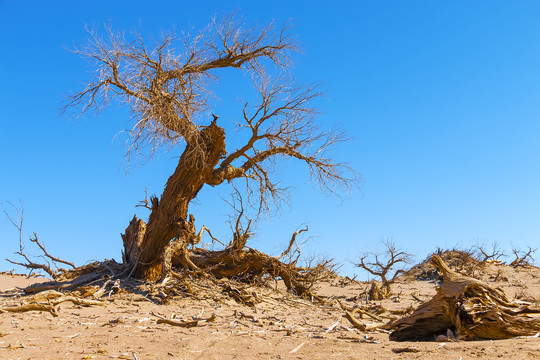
45 266
484 253
523 257
167 85
385 266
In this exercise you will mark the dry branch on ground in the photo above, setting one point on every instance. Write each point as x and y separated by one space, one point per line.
469 308
523 257
29 264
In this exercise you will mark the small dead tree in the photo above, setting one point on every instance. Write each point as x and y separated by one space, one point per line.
484 253
168 87
384 266
29 264
523 257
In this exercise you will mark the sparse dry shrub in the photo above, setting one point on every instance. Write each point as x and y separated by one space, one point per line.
387 266
484 252
499 276
317 270
523 257
524 295
50 263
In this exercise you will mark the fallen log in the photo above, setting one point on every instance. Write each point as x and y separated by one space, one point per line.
470 308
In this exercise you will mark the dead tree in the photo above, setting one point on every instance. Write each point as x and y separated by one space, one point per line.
484 254
470 309
523 257
168 88
29 264
383 266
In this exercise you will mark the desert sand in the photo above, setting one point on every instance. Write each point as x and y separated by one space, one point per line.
278 326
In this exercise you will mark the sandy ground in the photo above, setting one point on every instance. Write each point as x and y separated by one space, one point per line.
280 326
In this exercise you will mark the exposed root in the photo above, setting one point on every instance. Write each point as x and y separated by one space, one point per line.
470 307
186 271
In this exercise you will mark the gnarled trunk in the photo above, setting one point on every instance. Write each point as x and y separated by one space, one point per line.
470 308
168 219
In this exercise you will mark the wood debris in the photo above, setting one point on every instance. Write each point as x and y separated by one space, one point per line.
184 323
473 308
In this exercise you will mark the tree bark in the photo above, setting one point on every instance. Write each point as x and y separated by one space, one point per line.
470 308
169 216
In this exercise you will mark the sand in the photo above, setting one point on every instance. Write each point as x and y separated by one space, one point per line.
281 326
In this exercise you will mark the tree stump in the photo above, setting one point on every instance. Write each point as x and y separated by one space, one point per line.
470 308
374 292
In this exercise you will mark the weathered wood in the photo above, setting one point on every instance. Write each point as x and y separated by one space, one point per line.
249 263
374 291
30 307
168 218
132 239
470 308
63 285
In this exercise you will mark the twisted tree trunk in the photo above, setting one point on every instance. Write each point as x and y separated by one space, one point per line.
146 244
470 308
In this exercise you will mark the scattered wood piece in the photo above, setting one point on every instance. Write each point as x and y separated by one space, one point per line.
78 301
354 322
332 327
183 323
297 348
366 339
31 307
67 336
180 323
46 296
405 350
360 311
241 315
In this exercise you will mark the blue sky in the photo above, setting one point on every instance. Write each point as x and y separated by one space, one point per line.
440 99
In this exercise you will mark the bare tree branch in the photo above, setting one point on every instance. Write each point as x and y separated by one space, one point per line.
35 240
282 126
523 257
241 233
29 264
168 85
483 254
392 256
167 92
291 243
146 203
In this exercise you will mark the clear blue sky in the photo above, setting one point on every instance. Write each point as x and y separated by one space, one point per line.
441 100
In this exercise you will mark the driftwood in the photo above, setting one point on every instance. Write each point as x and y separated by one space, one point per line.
30 307
470 308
